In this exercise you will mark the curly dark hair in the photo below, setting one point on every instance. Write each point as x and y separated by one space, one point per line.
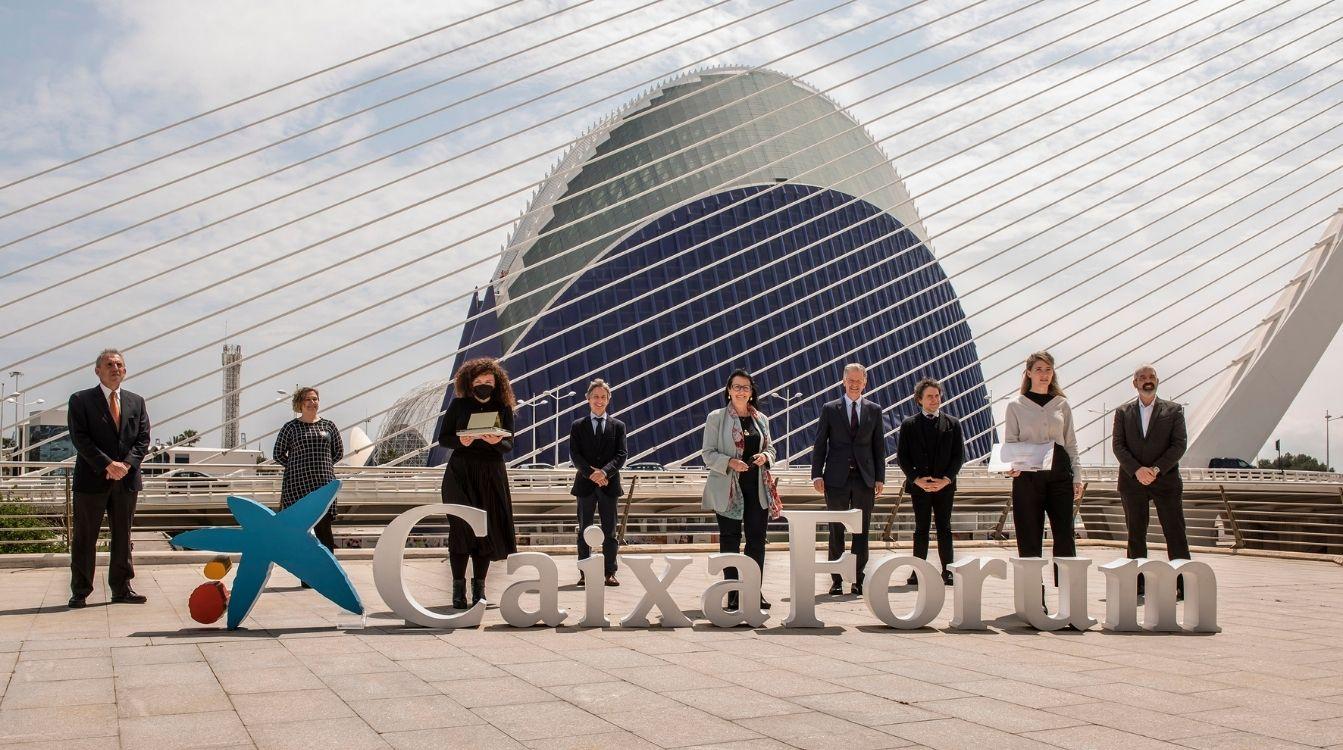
474 368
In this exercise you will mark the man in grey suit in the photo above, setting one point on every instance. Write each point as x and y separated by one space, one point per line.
848 464
1149 439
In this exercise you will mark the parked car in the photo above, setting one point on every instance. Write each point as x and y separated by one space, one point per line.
1229 463
190 480
645 466
533 466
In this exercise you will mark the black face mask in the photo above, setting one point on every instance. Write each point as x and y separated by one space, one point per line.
482 391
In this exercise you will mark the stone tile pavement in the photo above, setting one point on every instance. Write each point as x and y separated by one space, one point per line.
147 676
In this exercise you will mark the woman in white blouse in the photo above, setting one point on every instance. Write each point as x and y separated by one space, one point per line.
1040 414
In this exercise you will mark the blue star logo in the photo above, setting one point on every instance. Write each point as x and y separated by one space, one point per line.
267 539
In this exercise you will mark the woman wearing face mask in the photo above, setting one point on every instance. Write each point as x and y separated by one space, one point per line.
308 448
476 475
737 451
1040 414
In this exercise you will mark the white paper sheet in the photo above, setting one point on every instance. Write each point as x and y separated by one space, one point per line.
1021 457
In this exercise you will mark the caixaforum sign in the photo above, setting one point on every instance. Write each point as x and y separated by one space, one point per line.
971 574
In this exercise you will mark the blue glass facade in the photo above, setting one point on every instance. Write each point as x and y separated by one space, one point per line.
792 309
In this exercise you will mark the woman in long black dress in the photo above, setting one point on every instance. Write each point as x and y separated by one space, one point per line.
477 476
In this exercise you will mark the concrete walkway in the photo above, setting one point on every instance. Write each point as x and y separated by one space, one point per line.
147 676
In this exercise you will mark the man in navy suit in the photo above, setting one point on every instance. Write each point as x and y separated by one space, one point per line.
848 464
597 449
110 430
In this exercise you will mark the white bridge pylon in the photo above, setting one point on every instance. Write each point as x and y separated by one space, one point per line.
1239 414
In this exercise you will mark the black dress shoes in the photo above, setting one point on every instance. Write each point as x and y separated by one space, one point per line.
76 602
836 589
764 604
611 580
129 597
857 589
948 578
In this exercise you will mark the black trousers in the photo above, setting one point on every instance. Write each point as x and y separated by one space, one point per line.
1036 495
927 506
480 564
603 506
322 530
753 524
854 494
1169 511
118 504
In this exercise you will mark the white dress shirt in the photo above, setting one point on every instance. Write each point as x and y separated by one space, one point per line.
1145 413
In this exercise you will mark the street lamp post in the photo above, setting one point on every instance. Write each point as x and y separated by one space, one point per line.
1105 428
17 393
20 449
555 394
787 421
532 423
1327 420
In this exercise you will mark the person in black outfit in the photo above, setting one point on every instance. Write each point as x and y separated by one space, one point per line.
308 448
849 464
476 475
109 427
597 450
1149 439
931 451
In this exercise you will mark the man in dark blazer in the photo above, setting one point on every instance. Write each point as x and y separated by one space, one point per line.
930 452
848 464
110 430
597 449
1149 439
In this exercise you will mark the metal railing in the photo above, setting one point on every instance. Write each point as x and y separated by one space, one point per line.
1235 509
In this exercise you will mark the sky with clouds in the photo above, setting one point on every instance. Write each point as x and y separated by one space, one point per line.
1116 181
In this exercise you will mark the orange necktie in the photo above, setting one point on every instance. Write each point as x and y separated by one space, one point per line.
116 408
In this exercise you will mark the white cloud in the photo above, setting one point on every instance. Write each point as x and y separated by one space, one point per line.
165 60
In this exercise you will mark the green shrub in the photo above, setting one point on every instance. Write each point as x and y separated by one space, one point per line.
31 534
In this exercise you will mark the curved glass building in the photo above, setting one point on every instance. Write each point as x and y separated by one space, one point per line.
728 218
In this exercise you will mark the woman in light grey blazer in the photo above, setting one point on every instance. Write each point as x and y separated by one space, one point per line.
737 450
1040 414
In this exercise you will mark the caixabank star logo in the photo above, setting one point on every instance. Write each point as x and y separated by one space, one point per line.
266 539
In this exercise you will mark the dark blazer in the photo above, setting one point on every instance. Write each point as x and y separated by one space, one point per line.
836 447
1164 445
941 456
588 452
99 442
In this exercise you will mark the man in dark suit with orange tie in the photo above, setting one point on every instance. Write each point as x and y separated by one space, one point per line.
1149 439
597 449
848 464
110 430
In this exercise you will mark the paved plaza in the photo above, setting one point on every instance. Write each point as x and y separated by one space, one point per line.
147 676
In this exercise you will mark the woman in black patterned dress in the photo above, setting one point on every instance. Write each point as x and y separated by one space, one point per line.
308 448
476 475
